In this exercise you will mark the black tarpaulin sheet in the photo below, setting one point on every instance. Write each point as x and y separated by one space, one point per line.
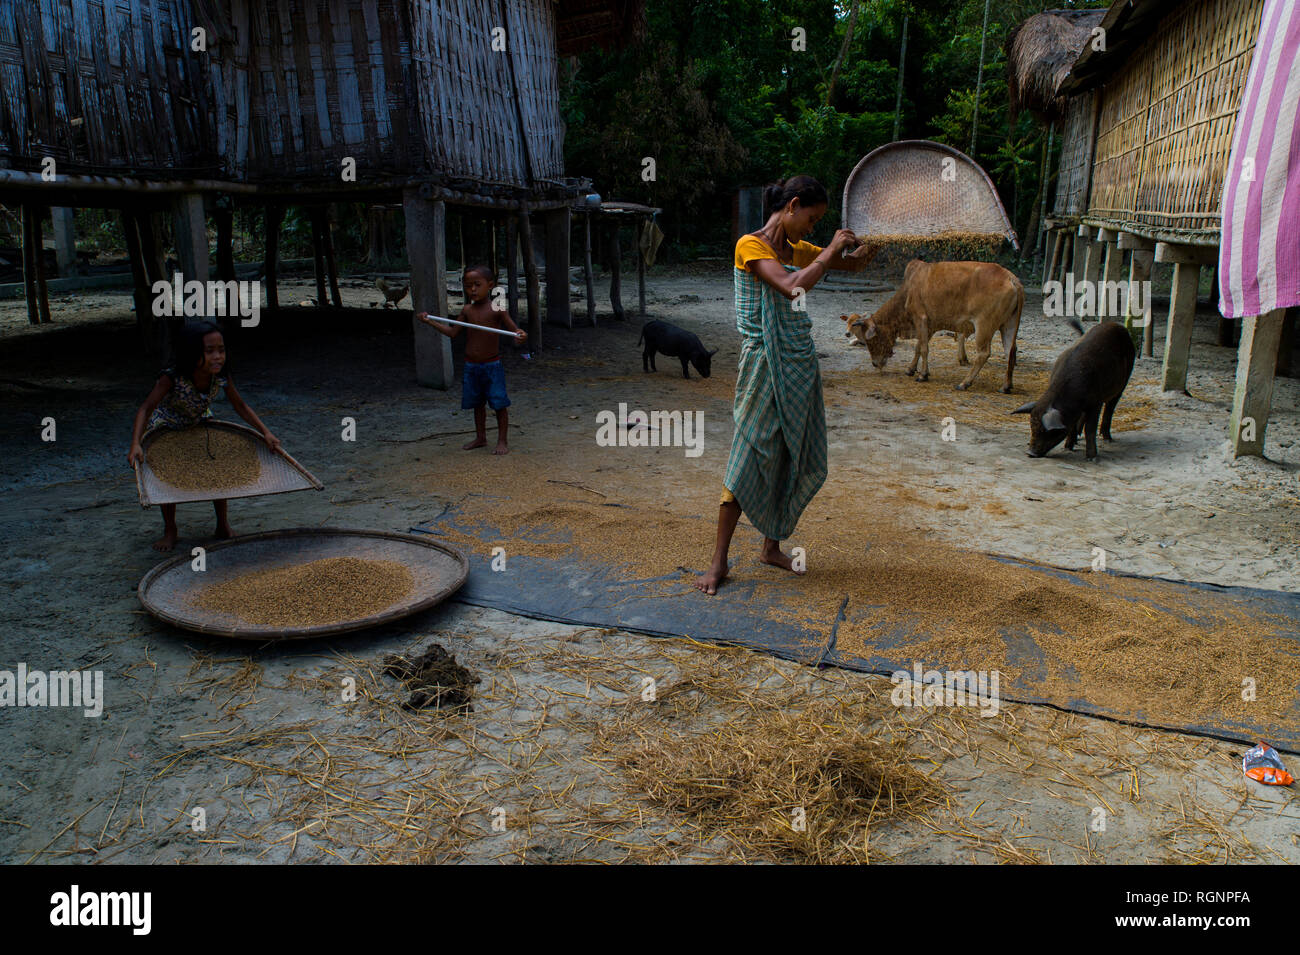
587 592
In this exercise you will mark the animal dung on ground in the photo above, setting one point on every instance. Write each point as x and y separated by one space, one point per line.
330 590
434 679
204 458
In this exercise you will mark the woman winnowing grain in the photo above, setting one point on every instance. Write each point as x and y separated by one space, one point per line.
778 453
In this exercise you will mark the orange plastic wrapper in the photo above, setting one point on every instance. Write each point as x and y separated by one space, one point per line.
1264 765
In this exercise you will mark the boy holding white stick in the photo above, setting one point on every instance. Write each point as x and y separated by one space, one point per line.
484 380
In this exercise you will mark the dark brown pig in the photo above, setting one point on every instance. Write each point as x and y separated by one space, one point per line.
1087 381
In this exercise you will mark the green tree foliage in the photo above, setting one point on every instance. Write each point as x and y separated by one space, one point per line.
718 94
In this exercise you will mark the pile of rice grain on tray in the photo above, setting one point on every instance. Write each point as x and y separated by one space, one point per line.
204 458
330 590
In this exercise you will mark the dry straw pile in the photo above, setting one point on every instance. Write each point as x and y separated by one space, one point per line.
807 784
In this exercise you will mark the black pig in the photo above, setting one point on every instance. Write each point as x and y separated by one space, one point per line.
675 343
1088 377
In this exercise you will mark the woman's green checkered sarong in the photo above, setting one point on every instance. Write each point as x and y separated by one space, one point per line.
778 452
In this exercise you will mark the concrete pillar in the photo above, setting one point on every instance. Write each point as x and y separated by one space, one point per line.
65 241
1253 399
191 236
426 249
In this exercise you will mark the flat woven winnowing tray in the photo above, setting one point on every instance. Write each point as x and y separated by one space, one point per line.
280 473
921 190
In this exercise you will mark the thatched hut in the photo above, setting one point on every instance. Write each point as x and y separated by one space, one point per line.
187 106
1040 53
1164 86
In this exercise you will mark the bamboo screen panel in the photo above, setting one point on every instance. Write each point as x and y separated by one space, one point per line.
470 111
307 83
1076 156
1166 120
104 86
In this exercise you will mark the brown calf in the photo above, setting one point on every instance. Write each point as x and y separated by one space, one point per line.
970 299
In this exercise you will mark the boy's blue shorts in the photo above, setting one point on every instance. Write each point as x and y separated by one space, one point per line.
484 383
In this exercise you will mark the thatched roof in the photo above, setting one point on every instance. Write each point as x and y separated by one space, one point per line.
583 24
1040 53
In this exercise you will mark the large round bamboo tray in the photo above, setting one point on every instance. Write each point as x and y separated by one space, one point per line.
438 570
280 472
920 190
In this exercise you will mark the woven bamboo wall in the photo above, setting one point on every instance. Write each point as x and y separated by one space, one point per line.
471 109
103 86
307 83
1166 120
1078 130
286 90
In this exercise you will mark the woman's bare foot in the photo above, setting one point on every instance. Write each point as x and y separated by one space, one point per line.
167 541
709 581
476 443
501 448
224 531
772 554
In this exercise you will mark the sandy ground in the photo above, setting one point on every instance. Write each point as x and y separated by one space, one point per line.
284 768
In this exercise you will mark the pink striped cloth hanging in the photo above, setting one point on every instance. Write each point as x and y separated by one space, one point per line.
1259 250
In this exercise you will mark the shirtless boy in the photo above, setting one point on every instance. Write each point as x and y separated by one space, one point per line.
484 381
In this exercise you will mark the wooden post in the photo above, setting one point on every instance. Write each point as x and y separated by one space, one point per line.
1092 262
274 217
1079 257
426 249
1068 246
1058 243
512 267
558 311
615 270
331 267
640 274
225 217
191 236
491 222
139 274
318 254
1253 398
586 263
530 277
65 239
150 224
31 255
1139 275
1186 261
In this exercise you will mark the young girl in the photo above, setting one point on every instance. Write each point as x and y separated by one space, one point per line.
182 397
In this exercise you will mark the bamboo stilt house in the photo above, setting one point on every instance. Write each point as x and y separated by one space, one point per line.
1170 77
185 106
1166 84
461 93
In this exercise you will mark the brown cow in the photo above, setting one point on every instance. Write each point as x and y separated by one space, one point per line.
966 298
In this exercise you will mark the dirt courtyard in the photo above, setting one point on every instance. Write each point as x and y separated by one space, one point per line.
563 758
